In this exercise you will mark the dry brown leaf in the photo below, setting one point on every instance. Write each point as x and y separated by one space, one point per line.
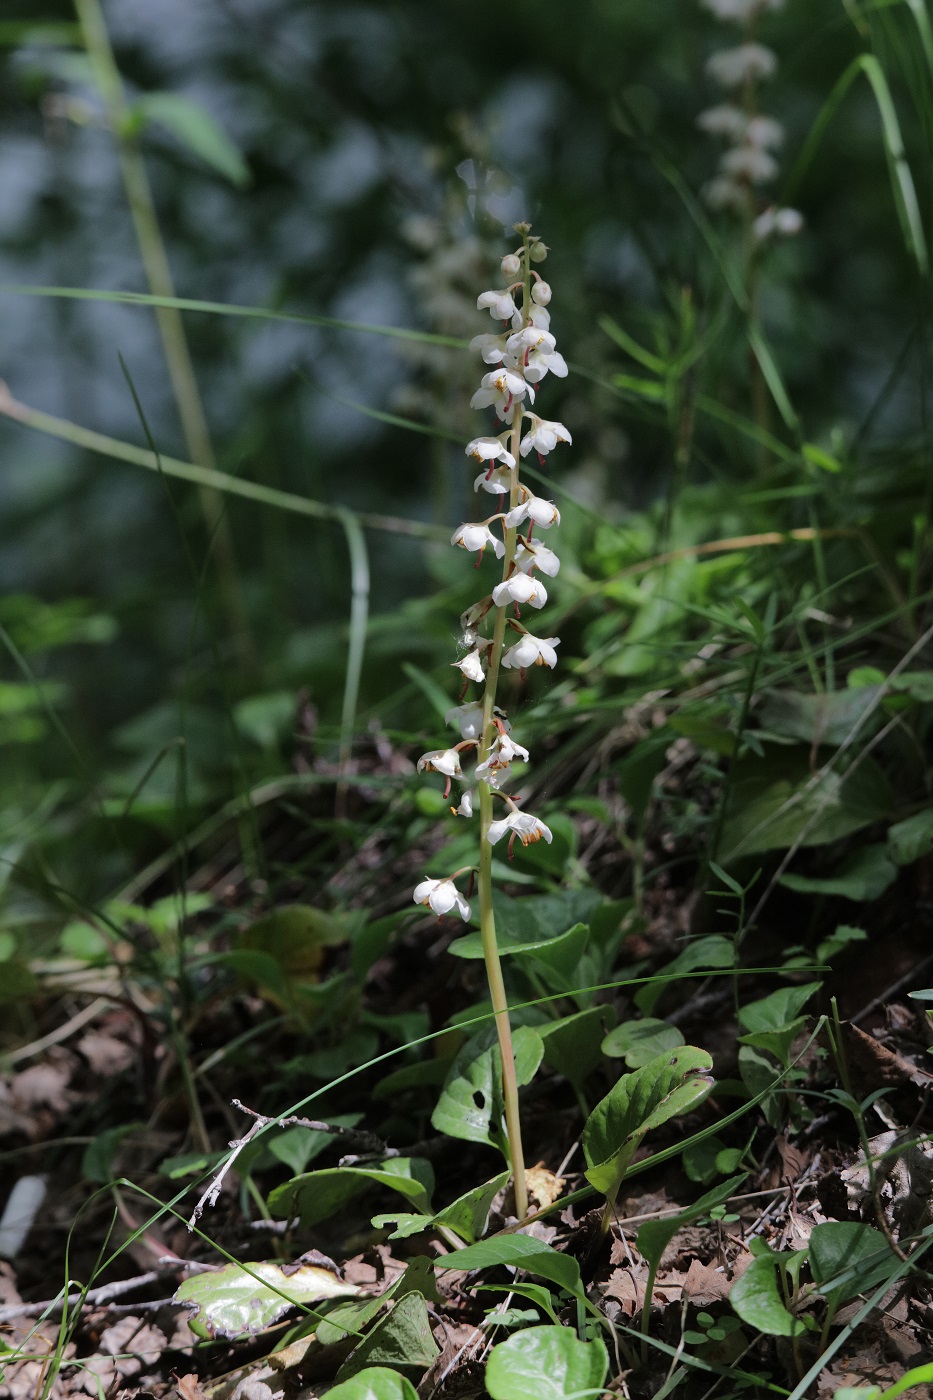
41 1086
543 1186
104 1053
703 1285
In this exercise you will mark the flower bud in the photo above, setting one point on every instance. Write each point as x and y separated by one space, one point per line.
511 265
541 293
538 251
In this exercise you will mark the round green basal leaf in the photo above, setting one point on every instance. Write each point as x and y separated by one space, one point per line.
546 1363
239 1299
756 1297
637 1042
375 1383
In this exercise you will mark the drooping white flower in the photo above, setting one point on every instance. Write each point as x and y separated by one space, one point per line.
745 63
543 436
786 222
527 828
537 316
765 132
446 761
473 537
468 718
723 193
504 388
544 513
465 807
471 666
540 292
442 896
537 556
520 588
495 767
491 347
499 304
740 10
490 773
497 482
724 120
750 163
536 350
531 651
489 449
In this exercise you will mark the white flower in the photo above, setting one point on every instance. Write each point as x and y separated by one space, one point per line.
734 67
520 588
511 265
537 556
536 349
491 773
471 666
527 828
765 132
494 768
465 808
473 537
785 222
544 436
500 304
740 10
442 896
723 193
543 513
446 761
491 347
540 292
537 316
532 651
497 482
724 120
489 449
749 163
502 387
469 718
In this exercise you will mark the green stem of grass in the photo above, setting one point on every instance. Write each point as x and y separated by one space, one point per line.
171 327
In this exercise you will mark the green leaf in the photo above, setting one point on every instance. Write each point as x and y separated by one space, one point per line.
519 1252
670 1084
572 1045
401 1338
655 1235
347 1319
239 1299
562 953
827 718
316 1196
713 951
912 838
637 1042
471 1105
196 129
864 875
772 1013
757 1300
296 1147
97 1162
848 1258
546 1363
467 1216
374 1383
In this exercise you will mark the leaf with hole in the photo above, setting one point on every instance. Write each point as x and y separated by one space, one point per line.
237 1300
546 1363
670 1084
471 1104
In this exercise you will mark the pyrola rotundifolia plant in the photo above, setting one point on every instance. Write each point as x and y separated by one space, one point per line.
494 632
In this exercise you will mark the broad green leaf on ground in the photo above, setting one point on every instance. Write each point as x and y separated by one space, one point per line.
848 1258
374 1383
864 875
828 718
666 1086
777 802
637 1042
572 1045
772 1012
713 951
351 1318
402 1338
316 1196
756 1297
519 1252
562 953
912 838
655 1235
467 1216
471 1105
546 1363
196 129
239 1299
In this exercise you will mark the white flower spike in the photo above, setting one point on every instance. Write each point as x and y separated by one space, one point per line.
441 896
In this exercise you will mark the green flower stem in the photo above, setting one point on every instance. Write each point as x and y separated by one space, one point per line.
484 882
171 327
